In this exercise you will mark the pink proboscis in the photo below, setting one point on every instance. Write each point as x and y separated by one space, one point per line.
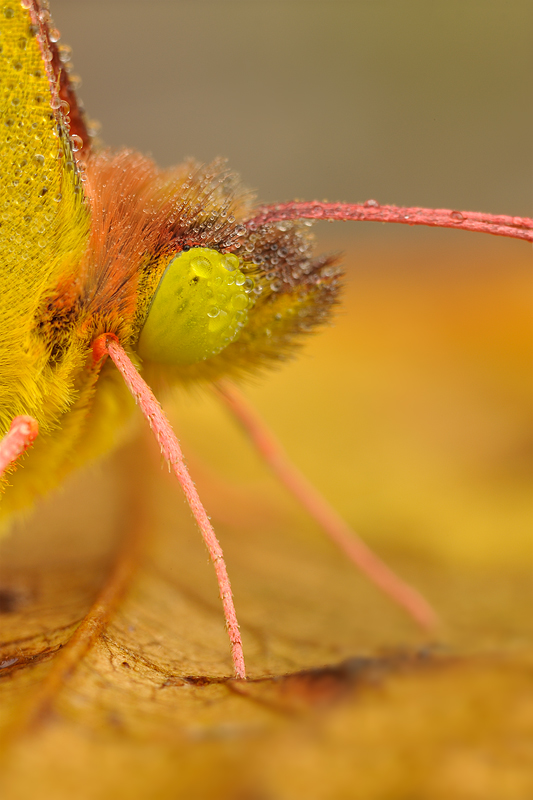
171 451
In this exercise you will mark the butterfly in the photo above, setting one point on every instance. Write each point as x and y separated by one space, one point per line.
109 264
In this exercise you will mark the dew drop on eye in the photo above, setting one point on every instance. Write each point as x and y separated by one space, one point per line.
200 306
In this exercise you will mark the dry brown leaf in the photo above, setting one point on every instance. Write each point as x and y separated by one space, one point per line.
412 414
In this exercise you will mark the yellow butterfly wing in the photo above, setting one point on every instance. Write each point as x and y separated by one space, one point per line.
44 221
45 225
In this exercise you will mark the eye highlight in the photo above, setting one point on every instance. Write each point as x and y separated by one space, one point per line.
199 307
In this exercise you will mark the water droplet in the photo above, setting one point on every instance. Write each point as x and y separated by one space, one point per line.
54 35
240 280
213 312
371 204
275 286
219 322
457 216
9 13
77 142
230 262
39 158
201 266
240 301
65 53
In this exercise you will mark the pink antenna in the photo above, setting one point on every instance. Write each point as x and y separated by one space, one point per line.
372 211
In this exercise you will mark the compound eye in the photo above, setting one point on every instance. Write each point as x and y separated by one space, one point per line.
199 307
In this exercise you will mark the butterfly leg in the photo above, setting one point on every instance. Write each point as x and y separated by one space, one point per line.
20 436
318 507
171 451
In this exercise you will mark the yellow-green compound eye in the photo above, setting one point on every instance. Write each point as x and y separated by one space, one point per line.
200 306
